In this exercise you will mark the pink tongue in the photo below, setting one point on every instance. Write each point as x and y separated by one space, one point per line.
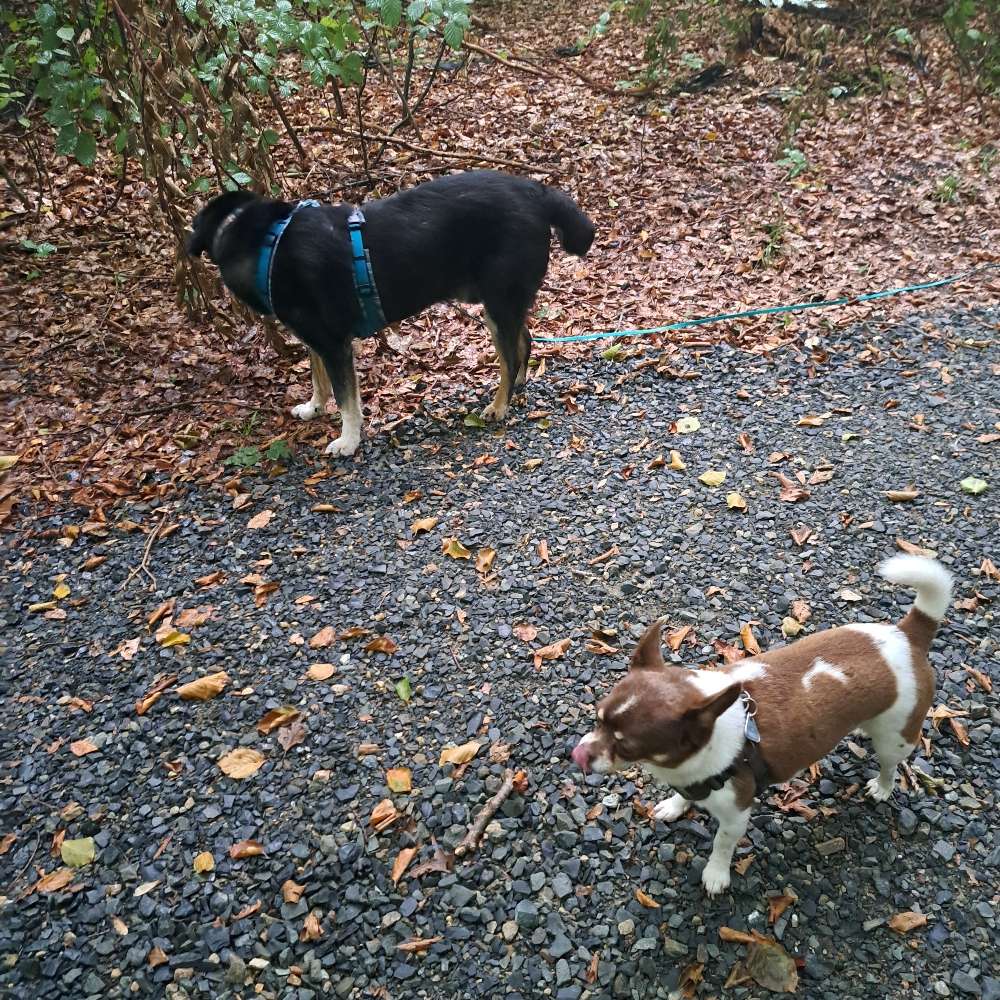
580 756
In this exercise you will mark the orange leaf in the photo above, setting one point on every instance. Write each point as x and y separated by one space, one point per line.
323 637
156 956
7 842
261 520
423 524
402 862
311 930
80 748
553 651
276 718
399 779
384 814
961 733
55 881
193 617
903 923
749 641
162 611
914 550
291 892
484 559
777 905
677 636
459 755
204 687
646 900
416 946
381 644
246 849
210 579
241 762
739 937
321 671
520 782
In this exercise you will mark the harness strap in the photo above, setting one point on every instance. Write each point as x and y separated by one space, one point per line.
265 262
372 318
749 758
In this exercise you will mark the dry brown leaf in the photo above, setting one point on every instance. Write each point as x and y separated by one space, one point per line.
961 733
484 559
520 782
210 579
744 863
729 654
777 905
166 608
383 815
399 779
812 420
54 881
204 687
291 892
321 671
749 640
248 911
676 636
801 611
914 550
246 849
739 937
791 491
499 753
121 928
423 524
902 496
593 967
311 929
127 649
261 520
455 549
402 862
93 562
745 443
903 923
204 862
771 966
553 651
646 900
193 617
988 569
381 644
801 535
276 718
526 633
157 956
241 763
417 946
80 748
292 735
323 637
820 476
459 755
7 842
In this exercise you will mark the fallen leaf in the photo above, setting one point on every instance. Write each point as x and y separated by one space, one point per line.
791 491
744 442
276 718
417 946
454 548
961 733
712 477
80 748
593 967
790 627
750 643
54 881
311 929
459 755
60 591
204 687
687 425
121 928
241 762
157 956
323 637
744 863
846 594
676 462
440 862
399 779
553 651
691 975
204 862
902 496
777 905
771 966
520 782
293 735
77 853
820 476
248 911
973 485
321 671
646 900
291 892
145 887
801 535
7 842
404 689
166 608
384 814
484 559
8 462
126 650
194 617
676 636
402 862
381 644
261 520
812 420
246 849
526 633
171 637
735 502
210 579
499 754
599 647
914 550
729 654
92 562
903 923
422 524
988 569
354 632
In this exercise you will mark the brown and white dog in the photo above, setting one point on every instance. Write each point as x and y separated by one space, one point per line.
719 737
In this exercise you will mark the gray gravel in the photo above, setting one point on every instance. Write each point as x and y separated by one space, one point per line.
552 893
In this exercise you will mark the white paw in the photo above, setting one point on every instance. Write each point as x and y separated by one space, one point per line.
877 791
307 411
343 446
670 809
494 412
715 878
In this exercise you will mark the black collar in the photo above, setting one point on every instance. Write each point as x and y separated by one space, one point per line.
749 757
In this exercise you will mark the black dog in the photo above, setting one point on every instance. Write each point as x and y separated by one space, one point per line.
475 237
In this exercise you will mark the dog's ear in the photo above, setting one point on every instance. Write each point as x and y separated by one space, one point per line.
707 711
206 223
647 655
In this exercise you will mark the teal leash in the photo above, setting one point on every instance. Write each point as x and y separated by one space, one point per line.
767 311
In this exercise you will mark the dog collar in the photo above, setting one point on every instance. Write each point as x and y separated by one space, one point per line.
265 262
372 318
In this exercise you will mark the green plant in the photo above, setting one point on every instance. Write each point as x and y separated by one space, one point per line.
947 189
794 161
773 248
244 458
38 249
278 451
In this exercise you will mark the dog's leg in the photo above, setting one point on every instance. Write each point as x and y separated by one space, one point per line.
732 825
507 356
321 390
892 748
525 356
670 809
344 376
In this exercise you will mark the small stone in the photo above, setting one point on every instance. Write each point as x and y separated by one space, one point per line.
236 973
626 927
674 948
526 914
833 846
561 945
562 885
944 850
906 821
509 930
965 983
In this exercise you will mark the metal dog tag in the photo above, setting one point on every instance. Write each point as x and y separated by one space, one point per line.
750 730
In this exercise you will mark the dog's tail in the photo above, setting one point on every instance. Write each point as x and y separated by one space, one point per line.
574 229
927 577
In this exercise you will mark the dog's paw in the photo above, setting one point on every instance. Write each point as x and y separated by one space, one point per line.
307 411
343 447
877 791
715 878
494 412
670 809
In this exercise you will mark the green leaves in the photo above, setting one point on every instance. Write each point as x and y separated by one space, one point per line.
77 853
404 689
974 485
392 12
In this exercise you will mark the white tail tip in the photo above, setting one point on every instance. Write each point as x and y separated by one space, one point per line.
927 577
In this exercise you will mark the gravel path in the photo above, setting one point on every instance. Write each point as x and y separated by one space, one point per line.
594 535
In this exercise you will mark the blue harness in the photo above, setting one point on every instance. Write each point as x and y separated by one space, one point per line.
372 318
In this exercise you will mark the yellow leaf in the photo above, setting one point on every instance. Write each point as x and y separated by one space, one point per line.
749 641
241 762
8 461
204 862
688 425
204 687
459 755
735 502
77 853
790 628
423 524
291 892
60 591
42 606
454 548
276 718
646 900
712 478
484 559
399 779
676 462
261 520
173 638
321 671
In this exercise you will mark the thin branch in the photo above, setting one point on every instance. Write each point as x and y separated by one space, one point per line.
470 842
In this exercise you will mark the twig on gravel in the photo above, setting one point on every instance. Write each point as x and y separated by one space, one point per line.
143 566
470 842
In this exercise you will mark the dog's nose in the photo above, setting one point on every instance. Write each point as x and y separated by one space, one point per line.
581 757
